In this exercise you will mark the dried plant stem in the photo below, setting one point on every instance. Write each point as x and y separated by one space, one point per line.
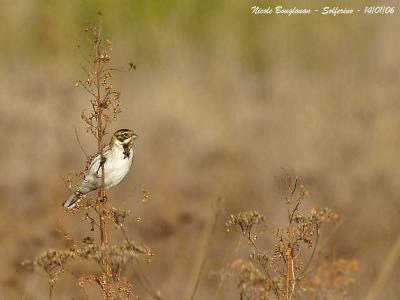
203 254
110 258
102 194
280 273
290 270
310 259
80 144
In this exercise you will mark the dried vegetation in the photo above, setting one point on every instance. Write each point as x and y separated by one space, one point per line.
291 266
105 103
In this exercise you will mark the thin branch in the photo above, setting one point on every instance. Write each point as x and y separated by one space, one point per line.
92 220
142 278
146 283
77 278
87 89
131 66
80 144
295 209
205 246
312 254
330 236
293 189
86 71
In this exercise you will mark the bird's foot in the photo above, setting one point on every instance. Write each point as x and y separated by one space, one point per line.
103 199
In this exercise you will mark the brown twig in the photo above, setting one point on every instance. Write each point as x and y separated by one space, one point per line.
205 247
80 144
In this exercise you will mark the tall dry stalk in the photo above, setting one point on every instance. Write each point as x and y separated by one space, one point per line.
111 259
103 100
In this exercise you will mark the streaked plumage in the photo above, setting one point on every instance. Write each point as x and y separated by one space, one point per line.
118 158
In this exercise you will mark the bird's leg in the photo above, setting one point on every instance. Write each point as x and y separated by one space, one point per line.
102 162
103 199
103 196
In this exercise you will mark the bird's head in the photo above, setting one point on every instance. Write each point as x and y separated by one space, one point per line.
124 136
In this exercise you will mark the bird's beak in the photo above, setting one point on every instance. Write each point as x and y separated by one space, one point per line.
134 136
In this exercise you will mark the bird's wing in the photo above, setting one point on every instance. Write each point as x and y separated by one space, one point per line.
96 163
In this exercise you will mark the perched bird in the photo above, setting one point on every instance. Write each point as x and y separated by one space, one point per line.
117 160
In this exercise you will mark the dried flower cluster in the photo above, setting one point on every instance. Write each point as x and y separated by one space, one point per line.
331 278
56 262
104 98
244 222
285 271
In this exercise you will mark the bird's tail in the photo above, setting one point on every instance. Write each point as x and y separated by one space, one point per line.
73 200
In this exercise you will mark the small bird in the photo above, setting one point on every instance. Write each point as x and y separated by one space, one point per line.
117 160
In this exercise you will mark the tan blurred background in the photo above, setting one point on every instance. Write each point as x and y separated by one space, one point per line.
223 102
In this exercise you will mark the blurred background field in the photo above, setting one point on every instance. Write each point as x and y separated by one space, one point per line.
223 102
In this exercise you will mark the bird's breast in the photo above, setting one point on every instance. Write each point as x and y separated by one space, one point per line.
116 167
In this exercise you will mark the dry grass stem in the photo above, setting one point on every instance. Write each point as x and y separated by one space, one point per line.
105 106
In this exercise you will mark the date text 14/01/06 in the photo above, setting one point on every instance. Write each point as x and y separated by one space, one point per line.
379 10
280 10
